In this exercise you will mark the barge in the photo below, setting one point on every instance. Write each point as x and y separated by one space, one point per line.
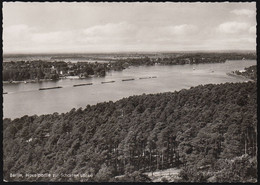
144 78
108 82
128 79
48 88
82 84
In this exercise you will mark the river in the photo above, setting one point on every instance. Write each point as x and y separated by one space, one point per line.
25 99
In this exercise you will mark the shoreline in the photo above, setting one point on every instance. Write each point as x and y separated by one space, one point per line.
78 78
239 76
43 80
26 81
13 118
106 71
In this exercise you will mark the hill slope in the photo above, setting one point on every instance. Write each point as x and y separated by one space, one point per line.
204 127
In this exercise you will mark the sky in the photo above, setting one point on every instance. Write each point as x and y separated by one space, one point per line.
127 27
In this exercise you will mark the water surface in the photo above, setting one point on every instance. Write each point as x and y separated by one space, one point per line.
25 99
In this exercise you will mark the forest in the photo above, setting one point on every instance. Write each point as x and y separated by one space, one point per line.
208 131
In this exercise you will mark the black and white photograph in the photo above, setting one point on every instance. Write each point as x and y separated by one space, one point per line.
129 92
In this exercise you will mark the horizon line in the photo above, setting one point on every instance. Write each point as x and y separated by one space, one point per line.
124 52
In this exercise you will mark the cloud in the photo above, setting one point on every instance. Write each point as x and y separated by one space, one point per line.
182 29
17 32
57 37
124 36
125 33
252 29
121 33
233 27
121 29
246 12
19 37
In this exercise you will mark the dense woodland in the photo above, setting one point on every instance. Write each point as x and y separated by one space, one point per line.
38 69
209 131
